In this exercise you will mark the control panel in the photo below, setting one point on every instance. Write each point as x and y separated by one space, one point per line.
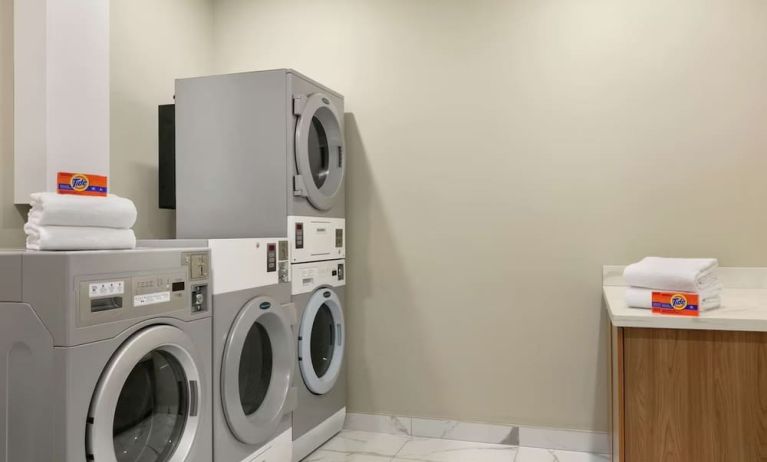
308 276
271 257
240 264
108 298
316 238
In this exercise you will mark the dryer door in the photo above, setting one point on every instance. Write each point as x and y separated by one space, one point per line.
145 408
319 151
257 370
321 341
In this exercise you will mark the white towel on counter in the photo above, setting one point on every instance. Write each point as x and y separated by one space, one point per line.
683 274
69 210
78 238
639 297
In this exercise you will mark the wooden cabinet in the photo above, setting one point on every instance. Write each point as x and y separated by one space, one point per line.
684 395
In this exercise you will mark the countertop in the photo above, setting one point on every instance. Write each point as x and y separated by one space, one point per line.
744 304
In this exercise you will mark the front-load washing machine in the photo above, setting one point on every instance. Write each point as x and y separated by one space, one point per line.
105 356
254 352
255 148
318 294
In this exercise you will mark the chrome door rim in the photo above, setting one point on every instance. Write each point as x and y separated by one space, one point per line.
315 384
104 403
259 427
320 106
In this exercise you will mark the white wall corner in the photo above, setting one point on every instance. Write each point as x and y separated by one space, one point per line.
61 91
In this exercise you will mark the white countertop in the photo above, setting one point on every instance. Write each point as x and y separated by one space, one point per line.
742 309
744 304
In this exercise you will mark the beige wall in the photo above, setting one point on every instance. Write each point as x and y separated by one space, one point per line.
11 217
500 152
152 43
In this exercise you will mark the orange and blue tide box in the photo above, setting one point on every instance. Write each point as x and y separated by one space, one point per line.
83 184
676 303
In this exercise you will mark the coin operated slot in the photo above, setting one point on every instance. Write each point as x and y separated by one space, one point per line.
199 298
284 273
283 250
340 271
339 238
198 266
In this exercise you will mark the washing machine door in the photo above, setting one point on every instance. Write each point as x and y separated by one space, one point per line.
321 341
257 370
145 408
319 147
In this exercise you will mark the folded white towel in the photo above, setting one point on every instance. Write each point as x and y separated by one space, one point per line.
683 274
639 297
78 238
68 210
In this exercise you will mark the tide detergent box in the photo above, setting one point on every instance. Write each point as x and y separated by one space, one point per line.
676 303
84 184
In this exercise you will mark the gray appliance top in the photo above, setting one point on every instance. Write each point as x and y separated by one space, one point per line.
86 296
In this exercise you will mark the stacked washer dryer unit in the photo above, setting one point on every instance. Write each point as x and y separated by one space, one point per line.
105 356
262 154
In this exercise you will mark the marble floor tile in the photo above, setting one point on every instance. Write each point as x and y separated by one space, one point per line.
359 446
570 456
465 431
436 450
333 456
367 443
378 423
534 455
547 455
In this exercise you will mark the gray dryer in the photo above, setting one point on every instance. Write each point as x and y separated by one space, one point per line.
254 353
255 148
105 356
318 294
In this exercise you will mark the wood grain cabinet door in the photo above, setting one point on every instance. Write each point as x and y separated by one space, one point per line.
695 396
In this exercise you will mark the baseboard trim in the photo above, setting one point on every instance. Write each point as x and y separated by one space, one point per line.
316 437
513 435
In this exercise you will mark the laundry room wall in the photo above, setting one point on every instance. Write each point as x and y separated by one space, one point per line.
152 43
11 217
500 153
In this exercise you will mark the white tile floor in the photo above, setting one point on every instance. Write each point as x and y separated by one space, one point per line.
355 446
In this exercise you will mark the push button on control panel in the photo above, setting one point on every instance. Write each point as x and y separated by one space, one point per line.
299 235
271 258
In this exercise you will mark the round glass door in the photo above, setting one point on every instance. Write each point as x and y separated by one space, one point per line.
145 406
319 151
151 411
257 370
321 344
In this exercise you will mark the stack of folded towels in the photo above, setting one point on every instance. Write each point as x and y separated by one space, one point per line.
69 222
654 274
